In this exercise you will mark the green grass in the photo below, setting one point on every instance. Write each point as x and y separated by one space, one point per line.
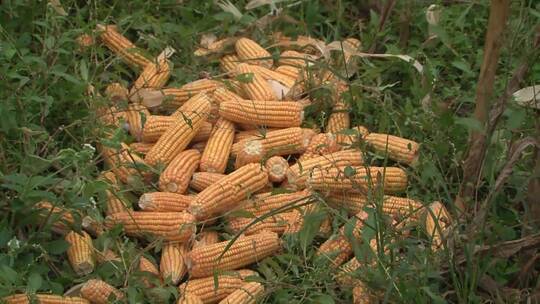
47 139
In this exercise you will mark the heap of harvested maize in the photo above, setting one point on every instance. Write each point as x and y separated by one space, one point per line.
225 145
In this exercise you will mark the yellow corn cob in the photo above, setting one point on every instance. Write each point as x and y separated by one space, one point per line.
199 146
178 135
175 97
60 218
338 121
85 41
171 226
175 178
218 148
124 163
319 145
298 174
42 299
141 147
172 264
277 168
202 180
358 132
281 114
295 59
248 49
391 205
249 293
156 125
209 292
205 237
164 202
204 132
228 63
148 267
204 261
399 149
437 222
116 92
99 292
264 203
335 179
135 114
122 46
281 142
289 71
114 202
189 299
256 88
251 134
154 75
278 223
226 193
268 74
107 256
222 95
80 252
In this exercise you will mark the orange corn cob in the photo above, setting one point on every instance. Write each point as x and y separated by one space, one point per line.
205 260
114 202
172 264
189 299
164 202
124 164
228 63
61 218
99 292
205 237
141 147
122 46
335 179
116 92
175 178
277 168
150 269
202 180
171 226
218 148
278 223
295 59
399 149
338 121
358 132
226 193
264 203
437 222
156 125
178 136
175 97
80 252
209 292
319 145
249 50
42 299
256 88
252 134
289 71
281 142
223 95
298 174
281 114
249 293
136 114
391 205
204 132
154 75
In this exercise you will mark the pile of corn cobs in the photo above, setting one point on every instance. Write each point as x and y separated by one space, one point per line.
223 147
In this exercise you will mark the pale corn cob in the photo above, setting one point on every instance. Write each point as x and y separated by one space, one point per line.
92 226
226 193
172 265
154 75
60 218
249 293
164 202
278 223
251 134
334 179
399 149
281 114
156 125
141 147
100 292
116 92
281 142
437 222
217 46
124 164
205 260
209 292
202 180
223 95
171 226
177 96
150 269
228 63
320 144
80 252
122 46
289 71
85 41
396 207
338 121
252 52
107 256
299 173
277 167
205 237
175 178
256 88
295 59
178 135
114 202
189 299
264 203
42 299
136 115
199 146
218 148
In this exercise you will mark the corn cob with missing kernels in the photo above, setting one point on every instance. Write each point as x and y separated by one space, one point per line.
249 293
218 148
80 252
399 149
189 299
280 114
60 218
202 180
154 75
320 144
209 292
178 136
171 226
437 222
396 207
122 46
175 178
149 269
164 202
100 292
42 299
205 260
277 167
254 85
228 63
251 52
205 237
172 266
116 92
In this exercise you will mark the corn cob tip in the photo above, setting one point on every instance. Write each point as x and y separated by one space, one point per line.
145 201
